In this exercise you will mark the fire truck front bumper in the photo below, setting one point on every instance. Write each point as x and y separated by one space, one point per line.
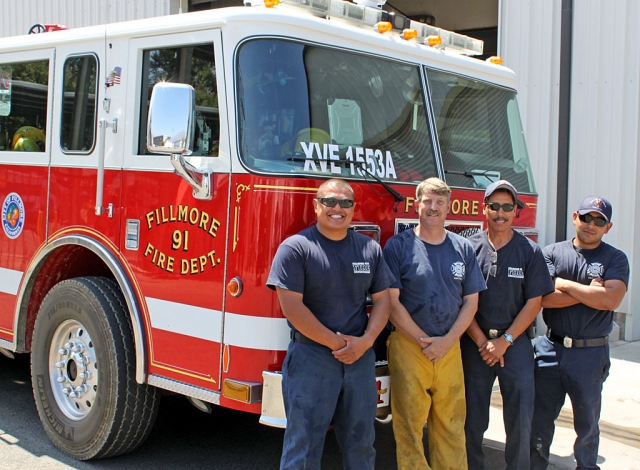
273 405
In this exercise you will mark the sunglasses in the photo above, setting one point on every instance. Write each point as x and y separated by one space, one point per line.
587 218
332 201
493 257
495 206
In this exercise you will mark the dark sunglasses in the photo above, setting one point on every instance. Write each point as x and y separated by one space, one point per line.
587 218
332 201
493 257
495 206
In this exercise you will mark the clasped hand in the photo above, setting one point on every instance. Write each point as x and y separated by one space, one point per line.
355 347
492 352
435 348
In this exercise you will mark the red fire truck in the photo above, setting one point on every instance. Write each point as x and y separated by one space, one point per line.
150 169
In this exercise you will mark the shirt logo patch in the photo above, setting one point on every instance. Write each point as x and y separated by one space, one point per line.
361 268
516 272
595 270
458 270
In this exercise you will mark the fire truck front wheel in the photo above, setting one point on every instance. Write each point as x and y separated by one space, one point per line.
83 371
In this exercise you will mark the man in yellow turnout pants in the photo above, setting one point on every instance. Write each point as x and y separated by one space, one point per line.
433 300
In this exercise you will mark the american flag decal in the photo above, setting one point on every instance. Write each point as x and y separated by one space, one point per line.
114 76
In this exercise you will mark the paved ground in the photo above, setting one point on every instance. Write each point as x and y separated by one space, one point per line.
619 421
186 438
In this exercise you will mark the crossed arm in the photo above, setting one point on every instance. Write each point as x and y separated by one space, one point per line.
433 347
601 295
346 349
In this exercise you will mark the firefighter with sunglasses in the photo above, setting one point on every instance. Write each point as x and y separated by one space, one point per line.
322 277
496 343
591 279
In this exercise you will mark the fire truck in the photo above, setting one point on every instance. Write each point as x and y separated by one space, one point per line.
150 169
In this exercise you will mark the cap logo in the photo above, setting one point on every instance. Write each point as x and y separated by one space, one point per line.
598 203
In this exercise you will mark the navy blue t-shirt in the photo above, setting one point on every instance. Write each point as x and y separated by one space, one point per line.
433 279
521 274
333 277
567 261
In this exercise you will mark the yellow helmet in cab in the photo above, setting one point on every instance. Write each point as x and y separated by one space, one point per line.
28 139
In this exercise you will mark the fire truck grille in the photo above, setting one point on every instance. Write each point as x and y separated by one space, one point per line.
463 230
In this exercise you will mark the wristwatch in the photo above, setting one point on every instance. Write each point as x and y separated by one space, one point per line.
508 338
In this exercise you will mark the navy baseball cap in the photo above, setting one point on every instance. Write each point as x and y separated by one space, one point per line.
504 184
596 204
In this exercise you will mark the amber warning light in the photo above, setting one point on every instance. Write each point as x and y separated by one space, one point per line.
235 287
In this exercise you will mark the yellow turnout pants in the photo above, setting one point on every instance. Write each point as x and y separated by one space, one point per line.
422 391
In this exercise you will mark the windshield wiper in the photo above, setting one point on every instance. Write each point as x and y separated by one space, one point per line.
489 174
397 197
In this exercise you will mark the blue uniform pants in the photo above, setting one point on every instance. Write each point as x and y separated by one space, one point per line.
516 380
580 373
317 388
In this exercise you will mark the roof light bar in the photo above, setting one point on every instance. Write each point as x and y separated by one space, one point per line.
450 40
365 15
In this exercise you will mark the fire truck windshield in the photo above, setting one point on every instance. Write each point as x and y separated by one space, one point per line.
313 110
479 132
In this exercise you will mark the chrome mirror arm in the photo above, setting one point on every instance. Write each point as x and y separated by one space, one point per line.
200 181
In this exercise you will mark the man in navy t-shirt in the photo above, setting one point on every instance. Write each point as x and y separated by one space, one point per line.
496 344
322 276
433 299
591 279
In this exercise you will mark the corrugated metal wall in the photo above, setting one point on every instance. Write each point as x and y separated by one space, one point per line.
529 36
18 17
605 114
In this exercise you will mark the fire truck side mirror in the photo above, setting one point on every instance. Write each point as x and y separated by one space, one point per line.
171 128
172 113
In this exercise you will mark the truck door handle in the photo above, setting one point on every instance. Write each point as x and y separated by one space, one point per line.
103 124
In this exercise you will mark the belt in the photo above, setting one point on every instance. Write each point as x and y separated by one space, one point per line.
577 343
493 333
302 339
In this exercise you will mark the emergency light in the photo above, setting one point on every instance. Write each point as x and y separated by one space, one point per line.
386 22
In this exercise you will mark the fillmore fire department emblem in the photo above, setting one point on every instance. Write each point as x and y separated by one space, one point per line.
188 221
13 215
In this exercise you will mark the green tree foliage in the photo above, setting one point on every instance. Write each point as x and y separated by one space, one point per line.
193 65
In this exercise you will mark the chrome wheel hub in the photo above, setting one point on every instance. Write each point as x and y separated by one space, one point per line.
73 369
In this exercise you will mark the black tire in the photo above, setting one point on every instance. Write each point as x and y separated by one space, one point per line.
110 414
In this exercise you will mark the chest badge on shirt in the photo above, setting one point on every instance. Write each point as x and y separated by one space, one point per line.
458 270
595 270
515 272
361 268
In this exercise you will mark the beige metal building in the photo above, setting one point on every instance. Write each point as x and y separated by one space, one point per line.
578 64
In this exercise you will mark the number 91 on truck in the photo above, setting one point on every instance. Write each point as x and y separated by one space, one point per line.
161 163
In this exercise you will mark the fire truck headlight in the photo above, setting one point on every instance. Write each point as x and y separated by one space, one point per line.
235 287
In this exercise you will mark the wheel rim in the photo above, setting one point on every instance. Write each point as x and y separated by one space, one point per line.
73 369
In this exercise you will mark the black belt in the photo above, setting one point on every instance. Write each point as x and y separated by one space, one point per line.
302 339
493 333
577 343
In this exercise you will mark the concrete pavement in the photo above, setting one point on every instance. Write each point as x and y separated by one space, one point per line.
619 420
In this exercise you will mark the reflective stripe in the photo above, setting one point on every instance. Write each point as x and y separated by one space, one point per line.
10 281
185 319
248 331
245 331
